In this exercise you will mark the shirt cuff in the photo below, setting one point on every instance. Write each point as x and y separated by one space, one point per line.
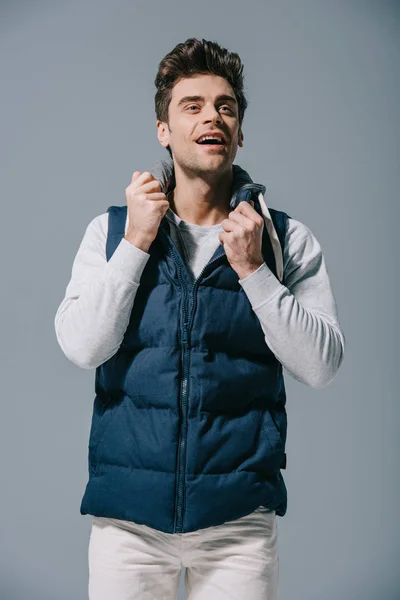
261 285
129 260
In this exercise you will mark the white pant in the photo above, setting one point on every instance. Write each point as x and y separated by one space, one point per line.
237 560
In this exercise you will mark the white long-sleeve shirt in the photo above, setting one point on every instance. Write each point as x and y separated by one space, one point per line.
299 318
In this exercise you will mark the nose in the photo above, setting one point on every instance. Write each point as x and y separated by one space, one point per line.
212 114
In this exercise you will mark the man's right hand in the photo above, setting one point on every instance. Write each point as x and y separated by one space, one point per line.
146 207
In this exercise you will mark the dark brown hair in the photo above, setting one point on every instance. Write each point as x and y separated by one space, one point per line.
195 57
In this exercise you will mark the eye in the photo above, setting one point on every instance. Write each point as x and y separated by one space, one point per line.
194 106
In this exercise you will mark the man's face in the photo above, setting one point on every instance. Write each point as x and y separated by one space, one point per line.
191 118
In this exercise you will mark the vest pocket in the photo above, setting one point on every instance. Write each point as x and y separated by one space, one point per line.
275 445
103 412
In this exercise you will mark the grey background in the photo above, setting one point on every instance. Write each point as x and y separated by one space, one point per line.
322 133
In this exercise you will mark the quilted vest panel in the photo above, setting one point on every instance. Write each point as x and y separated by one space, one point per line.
189 422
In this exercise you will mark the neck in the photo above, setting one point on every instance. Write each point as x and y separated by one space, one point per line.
200 200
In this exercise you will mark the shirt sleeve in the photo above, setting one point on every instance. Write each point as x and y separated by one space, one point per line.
299 316
91 320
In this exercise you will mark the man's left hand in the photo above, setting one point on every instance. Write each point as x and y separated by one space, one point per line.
242 239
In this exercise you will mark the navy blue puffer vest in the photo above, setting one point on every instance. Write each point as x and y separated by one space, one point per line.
189 421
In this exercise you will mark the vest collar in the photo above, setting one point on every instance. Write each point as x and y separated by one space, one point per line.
243 188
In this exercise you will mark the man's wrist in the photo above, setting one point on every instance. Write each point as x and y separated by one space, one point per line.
139 242
249 270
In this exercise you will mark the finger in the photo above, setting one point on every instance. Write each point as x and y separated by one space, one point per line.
242 220
144 177
228 224
245 209
150 186
156 197
135 175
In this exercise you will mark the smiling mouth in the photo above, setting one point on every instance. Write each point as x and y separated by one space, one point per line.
212 145
215 148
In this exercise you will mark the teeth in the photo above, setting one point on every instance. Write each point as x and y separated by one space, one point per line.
210 137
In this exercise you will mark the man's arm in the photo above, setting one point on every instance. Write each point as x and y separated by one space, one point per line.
91 320
299 318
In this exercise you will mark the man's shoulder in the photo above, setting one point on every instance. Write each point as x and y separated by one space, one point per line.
301 245
295 229
99 224
298 230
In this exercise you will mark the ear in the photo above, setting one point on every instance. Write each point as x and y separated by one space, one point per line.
240 137
162 133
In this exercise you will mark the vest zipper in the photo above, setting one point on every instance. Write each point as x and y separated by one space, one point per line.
196 281
178 527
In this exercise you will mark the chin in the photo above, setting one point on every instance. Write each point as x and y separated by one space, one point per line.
203 164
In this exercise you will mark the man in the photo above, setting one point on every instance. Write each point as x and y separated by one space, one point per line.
188 301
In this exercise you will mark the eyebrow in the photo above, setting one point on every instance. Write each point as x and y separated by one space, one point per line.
225 97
